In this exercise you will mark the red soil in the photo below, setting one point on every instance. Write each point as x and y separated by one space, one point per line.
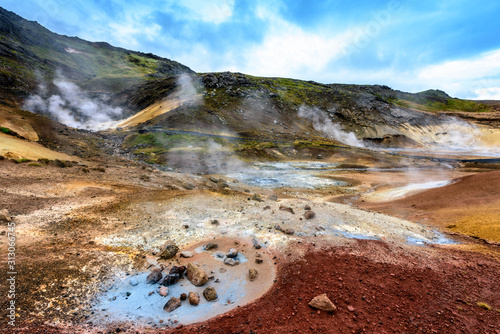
418 292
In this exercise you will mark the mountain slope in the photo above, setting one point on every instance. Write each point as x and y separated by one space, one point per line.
31 55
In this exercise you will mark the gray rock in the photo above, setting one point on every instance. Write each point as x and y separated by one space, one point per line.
133 281
196 275
194 298
168 250
322 303
287 209
210 294
154 277
307 208
257 197
232 253
172 304
186 254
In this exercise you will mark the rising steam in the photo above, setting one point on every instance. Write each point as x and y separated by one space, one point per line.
73 107
322 123
187 90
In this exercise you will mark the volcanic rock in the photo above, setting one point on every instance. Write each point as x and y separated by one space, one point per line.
4 215
186 254
252 274
286 208
307 208
162 291
210 294
231 261
211 246
183 296
168 250
173 276
323 303
154 277
309 214
172 304
232 253
196 275
194 298
259 261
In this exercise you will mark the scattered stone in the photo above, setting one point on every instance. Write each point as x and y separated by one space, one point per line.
231 262
259 261
211 246
172 304
307 208
309 214
133 282
154 277
252 274
267 207
168 250
5 215
322 303
350 308
213 179
257 197
214 222
186 226
210 294
183 296
256 244
173 276
289 231
162 291
273 197
188 186
186 254
196 275
194 298
287 209
232 253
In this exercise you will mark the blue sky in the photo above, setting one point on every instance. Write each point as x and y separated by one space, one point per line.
410 45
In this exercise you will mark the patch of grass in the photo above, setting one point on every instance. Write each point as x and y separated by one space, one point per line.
34 164
5 130
20 161
484 306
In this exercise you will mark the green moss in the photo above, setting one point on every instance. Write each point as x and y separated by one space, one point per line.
5 130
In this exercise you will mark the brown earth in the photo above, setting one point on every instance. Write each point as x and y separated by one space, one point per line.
471 206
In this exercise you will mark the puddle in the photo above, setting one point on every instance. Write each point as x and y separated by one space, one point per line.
131 299
395 193
302 175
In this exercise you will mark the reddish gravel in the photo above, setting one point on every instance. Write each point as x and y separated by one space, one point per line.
439 296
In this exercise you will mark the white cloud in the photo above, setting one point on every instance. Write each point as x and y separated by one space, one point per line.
492 93
210 11
128 32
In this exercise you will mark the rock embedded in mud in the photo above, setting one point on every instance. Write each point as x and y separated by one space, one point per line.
196 275
5 215
168 250
289 231
322 303
309 214
173 276
183 296
194 298
231 262
172 304
188 186
257 197
211 246
186 254
162 291
259 261
307 208
256 244
210 294
214 222
232 253
154 277
286 208
252 274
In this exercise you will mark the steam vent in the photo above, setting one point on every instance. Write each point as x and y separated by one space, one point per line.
194 186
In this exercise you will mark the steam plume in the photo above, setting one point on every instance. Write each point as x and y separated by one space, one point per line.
73 107
324 124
